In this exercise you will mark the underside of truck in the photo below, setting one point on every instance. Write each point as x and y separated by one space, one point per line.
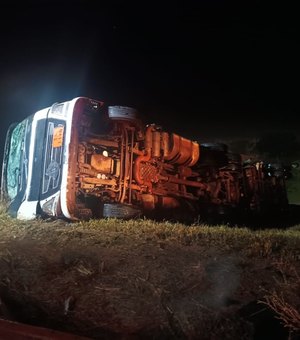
119 168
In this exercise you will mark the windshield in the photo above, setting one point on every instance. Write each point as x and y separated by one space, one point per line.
14 160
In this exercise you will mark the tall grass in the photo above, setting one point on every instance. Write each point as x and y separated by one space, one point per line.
114 231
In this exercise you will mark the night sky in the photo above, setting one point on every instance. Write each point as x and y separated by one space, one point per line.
203 69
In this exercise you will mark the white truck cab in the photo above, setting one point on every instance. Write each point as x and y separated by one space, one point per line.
36 162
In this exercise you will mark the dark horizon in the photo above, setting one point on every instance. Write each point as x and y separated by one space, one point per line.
204 70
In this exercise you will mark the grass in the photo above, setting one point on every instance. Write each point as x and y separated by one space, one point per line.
114 232
75 245
289 315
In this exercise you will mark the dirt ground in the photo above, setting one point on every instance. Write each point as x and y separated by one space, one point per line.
118 283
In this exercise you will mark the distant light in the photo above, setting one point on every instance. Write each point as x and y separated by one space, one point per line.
105 153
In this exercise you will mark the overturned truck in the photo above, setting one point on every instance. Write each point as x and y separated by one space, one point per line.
80 159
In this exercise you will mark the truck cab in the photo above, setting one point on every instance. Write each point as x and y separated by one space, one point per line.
36 160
